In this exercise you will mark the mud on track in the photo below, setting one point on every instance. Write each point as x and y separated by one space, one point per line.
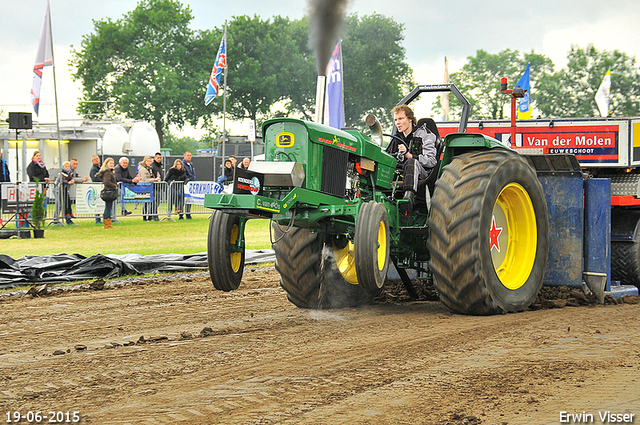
173 350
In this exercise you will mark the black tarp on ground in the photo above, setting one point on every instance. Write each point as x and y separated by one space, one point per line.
73 267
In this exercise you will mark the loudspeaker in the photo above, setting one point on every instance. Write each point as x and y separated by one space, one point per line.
20 121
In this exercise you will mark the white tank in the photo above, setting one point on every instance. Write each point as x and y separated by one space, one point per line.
114 140
143 139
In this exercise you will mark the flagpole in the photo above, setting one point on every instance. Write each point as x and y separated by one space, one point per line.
224 96
55 88
344 122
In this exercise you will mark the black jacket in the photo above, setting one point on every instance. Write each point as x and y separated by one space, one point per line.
157 168
122 175
35 171
176 175
92 173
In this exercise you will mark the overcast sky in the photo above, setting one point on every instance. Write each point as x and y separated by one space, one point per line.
433 30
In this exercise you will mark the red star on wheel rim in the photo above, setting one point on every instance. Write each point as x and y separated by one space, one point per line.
494 235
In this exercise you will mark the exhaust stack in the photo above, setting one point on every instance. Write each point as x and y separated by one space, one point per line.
321 92
376 129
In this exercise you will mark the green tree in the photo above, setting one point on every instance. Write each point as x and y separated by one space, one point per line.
180 145
479 81
571 91
376 74
140 66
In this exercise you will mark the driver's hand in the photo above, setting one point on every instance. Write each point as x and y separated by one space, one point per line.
402 148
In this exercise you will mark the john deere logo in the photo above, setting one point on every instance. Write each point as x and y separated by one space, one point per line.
285 140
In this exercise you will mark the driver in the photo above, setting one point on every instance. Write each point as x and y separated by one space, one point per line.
415 148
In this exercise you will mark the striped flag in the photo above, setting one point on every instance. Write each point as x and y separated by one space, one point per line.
43 58
213 89
602 95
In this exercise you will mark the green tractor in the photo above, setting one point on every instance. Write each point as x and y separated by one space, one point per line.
479 228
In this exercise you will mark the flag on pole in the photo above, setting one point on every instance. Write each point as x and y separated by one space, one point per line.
602 95
444 97
334 106
213 89
43 58
524 105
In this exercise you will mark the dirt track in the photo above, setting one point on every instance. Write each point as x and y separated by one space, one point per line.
172 350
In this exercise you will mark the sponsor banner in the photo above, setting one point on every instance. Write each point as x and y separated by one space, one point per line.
88 199
247 182
14 197
589 143
194 191
141 193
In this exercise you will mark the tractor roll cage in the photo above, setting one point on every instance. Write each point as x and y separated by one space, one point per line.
466 106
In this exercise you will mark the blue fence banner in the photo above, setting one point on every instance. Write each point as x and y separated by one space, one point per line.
137 193
194 191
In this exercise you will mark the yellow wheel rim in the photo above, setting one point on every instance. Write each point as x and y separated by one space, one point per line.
345 260
382 245
234 257
513 236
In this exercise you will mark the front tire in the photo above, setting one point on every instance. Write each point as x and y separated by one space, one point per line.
225 258
372 245
489 233
310 274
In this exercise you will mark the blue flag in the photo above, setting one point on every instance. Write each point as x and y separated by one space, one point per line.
524 105
335 107
216 73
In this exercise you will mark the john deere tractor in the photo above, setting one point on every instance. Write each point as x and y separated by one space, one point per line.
479 228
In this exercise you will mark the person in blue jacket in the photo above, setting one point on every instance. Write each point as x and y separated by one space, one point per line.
191 176
4 170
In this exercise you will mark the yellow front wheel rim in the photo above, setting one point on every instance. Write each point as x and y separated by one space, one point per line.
345 260
513 236
234 257
382 245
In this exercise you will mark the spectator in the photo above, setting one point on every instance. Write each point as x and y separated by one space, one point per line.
73 179
177 173
73 164
108 178
122 174
233 160
37 169
145 171
191 176
227 173
245 164
95 168
158 171
63 181
4 170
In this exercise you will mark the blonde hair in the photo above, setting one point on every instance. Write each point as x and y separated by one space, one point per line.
176 162
104 164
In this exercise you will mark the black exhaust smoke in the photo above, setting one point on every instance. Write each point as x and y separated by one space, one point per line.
326 26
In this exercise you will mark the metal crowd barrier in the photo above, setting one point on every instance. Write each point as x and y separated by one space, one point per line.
156 201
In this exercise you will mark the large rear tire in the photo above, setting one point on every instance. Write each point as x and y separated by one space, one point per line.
625 254
309 272
225 258
489 233
372 245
